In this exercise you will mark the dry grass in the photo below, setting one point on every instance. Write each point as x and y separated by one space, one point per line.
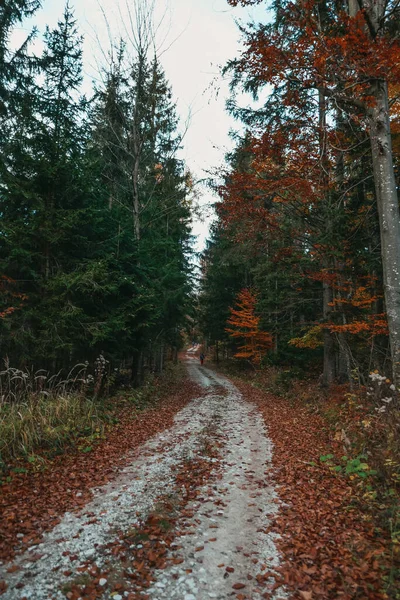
43 411
45 423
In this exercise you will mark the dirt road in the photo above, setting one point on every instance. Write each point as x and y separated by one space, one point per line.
222 548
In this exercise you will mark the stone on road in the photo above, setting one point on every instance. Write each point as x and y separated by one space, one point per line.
223 547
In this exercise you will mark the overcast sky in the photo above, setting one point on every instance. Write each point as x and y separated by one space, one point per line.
196 37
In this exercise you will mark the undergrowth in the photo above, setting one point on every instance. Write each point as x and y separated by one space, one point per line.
45 423
364 427
42 416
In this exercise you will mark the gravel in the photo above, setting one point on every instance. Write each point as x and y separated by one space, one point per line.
230 515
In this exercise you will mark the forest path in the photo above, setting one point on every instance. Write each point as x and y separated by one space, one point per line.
219 546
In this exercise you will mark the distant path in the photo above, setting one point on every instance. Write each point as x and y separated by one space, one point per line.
222 541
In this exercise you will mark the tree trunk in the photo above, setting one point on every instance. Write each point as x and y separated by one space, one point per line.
344 363
137 369
329 372
135 194
389 216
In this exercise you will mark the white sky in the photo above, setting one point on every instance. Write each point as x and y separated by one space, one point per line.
199 36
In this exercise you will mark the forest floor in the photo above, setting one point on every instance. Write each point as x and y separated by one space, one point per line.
217 493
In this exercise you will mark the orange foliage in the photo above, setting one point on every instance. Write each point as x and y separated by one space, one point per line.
373 325
245 324
9 294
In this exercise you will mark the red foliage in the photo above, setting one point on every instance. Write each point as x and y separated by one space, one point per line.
9 294
245 325
331 546
317 61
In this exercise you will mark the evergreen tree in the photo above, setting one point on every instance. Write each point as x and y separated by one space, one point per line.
15 64
95 214
136 141
44 204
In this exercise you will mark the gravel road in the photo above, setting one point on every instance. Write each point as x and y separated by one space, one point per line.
224 547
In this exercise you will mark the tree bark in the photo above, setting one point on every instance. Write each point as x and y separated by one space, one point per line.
329 372
389 215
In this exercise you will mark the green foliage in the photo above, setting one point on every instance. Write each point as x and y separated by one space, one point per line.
357 466
326 458
77 278
350 466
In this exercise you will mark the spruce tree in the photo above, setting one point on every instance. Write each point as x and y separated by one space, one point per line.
134 134
44 202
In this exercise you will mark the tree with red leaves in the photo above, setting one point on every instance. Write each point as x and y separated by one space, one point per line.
245 325
327 64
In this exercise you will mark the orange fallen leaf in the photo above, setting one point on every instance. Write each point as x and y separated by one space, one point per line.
238 586
13 569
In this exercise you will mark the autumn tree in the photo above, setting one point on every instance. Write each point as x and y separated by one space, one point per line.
343 57
244 325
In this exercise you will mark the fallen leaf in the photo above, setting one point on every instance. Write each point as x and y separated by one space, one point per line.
238 586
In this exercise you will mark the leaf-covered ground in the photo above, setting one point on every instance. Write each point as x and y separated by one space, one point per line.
186 518
33 502
331 545
193 543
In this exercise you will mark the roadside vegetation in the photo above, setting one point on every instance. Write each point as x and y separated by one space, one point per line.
42 416
41 482
337 454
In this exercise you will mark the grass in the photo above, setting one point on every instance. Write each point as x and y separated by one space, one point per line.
46 423
46 415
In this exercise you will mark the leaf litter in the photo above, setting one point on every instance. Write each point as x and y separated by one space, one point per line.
33 502
198 485
331 546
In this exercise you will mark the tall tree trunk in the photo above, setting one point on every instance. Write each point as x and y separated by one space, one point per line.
389 216
135 195
329 371
343 370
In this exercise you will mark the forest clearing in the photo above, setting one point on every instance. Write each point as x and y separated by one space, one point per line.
200 300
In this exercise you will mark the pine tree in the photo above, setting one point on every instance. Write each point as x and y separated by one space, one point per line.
136 141
15 64
45 202
95 215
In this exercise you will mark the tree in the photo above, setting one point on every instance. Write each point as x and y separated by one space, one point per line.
245 325
346 56
15 64
223 274
48 218
95 237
